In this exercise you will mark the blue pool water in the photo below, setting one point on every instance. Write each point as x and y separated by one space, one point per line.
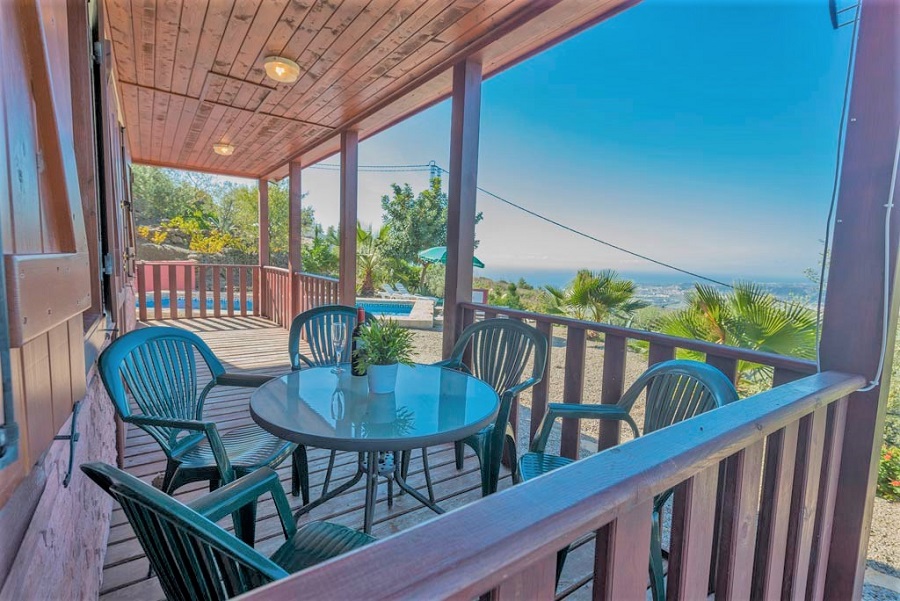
387 309
165 303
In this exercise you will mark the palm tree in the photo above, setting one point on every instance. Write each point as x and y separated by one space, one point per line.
596 296
370 256
746 317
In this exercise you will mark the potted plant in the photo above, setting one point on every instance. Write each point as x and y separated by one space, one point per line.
383 345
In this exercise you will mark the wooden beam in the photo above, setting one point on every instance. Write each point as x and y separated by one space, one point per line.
853 321
463 180
349 195
295 234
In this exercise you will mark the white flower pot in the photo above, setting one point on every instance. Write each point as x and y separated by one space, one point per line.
382 378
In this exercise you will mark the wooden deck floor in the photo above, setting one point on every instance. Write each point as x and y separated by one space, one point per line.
259 346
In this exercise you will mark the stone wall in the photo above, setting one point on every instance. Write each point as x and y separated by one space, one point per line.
61 555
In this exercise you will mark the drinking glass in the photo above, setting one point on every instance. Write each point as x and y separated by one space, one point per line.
338 337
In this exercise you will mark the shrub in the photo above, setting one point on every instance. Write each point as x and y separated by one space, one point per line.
889 474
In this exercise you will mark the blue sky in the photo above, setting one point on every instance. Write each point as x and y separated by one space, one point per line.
702 133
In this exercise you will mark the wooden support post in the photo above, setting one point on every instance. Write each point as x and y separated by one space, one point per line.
349 192
852 326
263 220
295 235
462 187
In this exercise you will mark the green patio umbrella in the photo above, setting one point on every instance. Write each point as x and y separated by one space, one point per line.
438 254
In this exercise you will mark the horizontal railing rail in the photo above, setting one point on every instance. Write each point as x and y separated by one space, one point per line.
615 354
781 452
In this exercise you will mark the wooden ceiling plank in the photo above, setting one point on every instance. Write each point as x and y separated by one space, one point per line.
229 91
145 111
217 15
242 16
144 24
253 44
404 39
232 135
158 127
204 155
365 43
265 142
293 16
206 121
190 28
168 20
176 105
188 111
249 95
312 24
470 26
200 117
316 51
118 20
132 116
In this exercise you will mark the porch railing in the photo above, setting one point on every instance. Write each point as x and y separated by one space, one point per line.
184 290
658 347
780 451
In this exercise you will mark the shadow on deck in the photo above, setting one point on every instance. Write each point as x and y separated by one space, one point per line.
257 345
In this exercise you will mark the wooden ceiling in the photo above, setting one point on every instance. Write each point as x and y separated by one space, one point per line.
190 72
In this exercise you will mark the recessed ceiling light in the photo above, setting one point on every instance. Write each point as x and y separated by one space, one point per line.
282 69
226 150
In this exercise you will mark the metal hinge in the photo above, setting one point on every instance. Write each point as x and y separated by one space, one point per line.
107 264
98 52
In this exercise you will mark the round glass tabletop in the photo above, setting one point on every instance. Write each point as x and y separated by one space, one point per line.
430 405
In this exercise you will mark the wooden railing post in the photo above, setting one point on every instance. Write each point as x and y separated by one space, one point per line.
295 234
573 388
263 258
853 325
613 386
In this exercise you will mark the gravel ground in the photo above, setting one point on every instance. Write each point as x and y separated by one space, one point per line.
884 543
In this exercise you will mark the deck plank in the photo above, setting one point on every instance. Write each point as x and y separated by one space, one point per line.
257 345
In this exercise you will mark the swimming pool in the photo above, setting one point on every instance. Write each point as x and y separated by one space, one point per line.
165 303
387 308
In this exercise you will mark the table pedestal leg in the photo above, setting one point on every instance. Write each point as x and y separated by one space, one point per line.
401 482
371 490
330 494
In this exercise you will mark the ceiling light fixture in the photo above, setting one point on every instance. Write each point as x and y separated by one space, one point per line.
226 150
282 69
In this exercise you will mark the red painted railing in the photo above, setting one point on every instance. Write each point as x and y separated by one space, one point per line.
184 290
769 464
204 291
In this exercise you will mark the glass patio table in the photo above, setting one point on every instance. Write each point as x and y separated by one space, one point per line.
430 406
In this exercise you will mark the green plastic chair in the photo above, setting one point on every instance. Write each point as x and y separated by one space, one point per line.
158 365
314 326
676 391
500 351
194 558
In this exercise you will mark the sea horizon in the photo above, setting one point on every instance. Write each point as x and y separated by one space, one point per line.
562 276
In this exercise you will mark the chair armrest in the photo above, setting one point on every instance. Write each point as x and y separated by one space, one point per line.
244 491
244 380
578 411
208 429
521 387
448 363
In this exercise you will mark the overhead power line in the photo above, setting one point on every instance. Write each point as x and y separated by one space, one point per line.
432 167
